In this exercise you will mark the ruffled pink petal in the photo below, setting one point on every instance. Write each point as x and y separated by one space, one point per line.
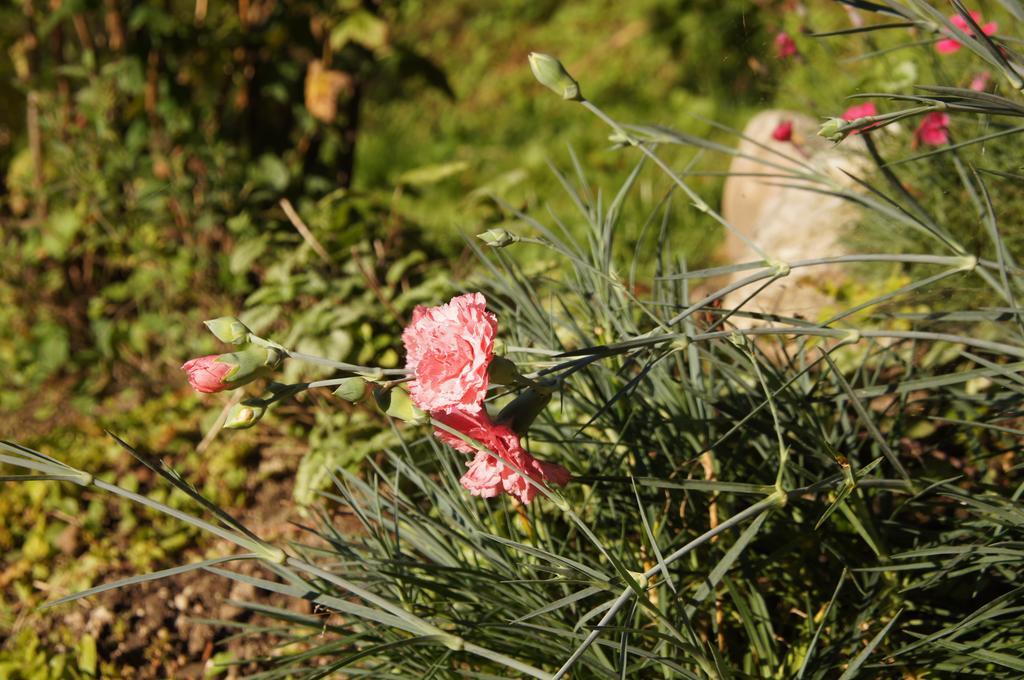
483 477
554 473
206 374
449 349
490 474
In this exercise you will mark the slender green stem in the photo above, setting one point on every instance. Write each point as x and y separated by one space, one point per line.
342 366
698 202
912 258
997 347
783 449
331 363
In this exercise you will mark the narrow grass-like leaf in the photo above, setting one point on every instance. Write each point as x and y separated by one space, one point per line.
817 631
143 578
854 668
711 581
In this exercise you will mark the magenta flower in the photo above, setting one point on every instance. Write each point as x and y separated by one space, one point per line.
933 130
206 374
785 46
448 349
951 45
489 475
783 132
861 111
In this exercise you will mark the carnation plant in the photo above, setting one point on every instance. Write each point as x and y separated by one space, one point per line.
602 475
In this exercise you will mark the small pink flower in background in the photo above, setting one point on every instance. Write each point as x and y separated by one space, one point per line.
933 130
783 132
951 45
448 349
206 374
861 111
785 46
488 475
979 83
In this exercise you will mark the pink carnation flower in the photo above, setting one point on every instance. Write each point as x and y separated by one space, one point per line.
979 83
489 475
785 46
933 130
783 132
861 111
448 349
951 45
206 374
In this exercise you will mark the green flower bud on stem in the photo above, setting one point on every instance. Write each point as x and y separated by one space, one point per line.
524 409
550 73
502 371
396 403
352 389
830 130
498 238
250 363
245 415
229 329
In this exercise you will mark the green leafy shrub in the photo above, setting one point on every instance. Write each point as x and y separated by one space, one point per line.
166 138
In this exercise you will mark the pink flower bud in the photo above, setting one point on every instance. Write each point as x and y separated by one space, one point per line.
206 374
218 372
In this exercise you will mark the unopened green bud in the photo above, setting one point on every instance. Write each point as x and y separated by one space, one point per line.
245 415
502 371
550 73
250 363
831 130
498 238
396 403
352 389
524 409
381 397
229 329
